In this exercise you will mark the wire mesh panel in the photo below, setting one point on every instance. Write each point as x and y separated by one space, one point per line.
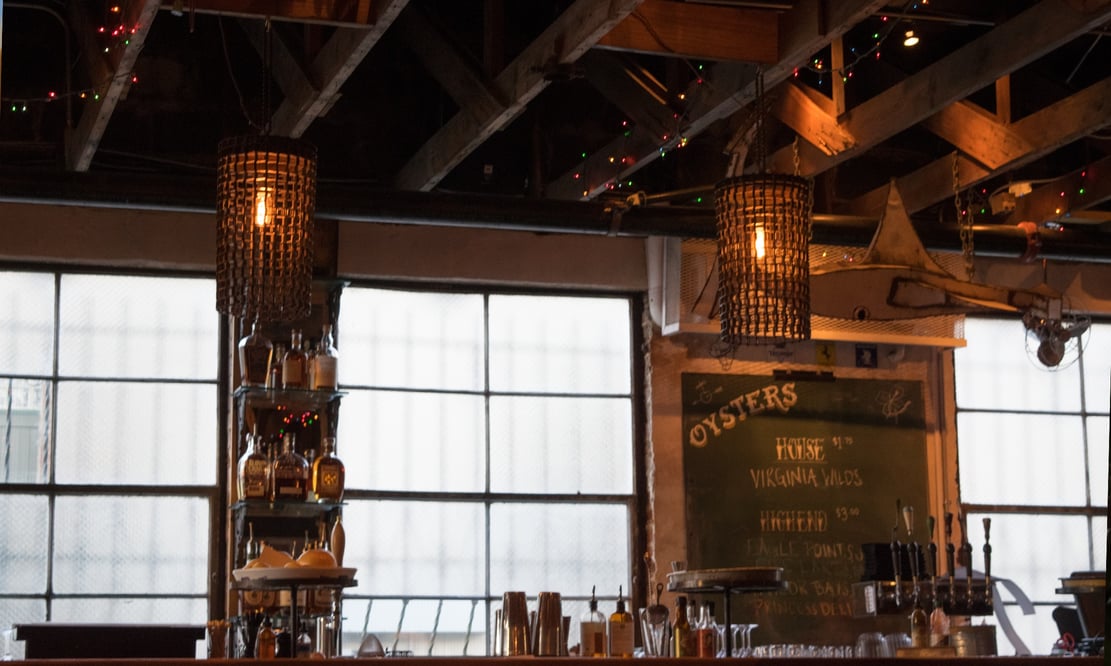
763 225
266 195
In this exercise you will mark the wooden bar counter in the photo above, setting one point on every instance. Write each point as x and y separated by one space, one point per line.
576 661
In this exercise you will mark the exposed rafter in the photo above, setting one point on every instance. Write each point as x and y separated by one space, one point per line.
577 29
112 71
806 29
1026 37
334 12
704 32
1041 133
1082 189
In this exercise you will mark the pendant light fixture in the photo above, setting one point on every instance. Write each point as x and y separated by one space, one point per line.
763 233
265 202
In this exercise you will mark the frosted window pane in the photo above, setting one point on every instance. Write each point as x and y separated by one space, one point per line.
560 547
411 339
126 326
420 617
24 430
557 344
1035 551
995 372
1037 631
416 548
390 440
131 611
561 445
121 545
1099 431
23 528
27 327
1099 534
149 434
1022 459
1097 369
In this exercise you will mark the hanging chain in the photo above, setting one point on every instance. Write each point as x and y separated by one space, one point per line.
964 222
809 190
760 138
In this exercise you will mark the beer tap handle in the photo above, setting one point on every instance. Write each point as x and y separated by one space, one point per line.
931 559
950 557
895 566
966 556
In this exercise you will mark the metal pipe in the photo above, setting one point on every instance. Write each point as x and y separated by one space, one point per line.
347 203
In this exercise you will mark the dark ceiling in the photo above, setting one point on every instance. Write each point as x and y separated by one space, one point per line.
552 101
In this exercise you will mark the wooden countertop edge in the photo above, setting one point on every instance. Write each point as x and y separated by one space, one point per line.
558 661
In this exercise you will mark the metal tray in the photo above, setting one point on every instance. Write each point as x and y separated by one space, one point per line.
733 579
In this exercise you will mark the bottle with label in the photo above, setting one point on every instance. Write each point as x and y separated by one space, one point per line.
254 470
290 475
592 631
274 379
326 362
707 632
293 363
620 630
681 631
255 351
266 645
328 473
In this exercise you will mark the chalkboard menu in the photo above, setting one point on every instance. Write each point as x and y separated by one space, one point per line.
798 472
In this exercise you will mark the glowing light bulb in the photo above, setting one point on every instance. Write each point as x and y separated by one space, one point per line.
758 245
264 204
910 39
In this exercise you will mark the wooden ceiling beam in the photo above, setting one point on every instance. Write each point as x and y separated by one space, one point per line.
331 68
704 32
1021 40
1082 189
111 74
577 29
804 30
810 121
333 12
1043 131
613 77
467 86
979 135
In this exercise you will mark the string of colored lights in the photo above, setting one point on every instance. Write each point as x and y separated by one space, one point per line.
119 36
818 66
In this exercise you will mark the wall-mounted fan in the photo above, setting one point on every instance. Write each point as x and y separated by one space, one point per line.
1055 342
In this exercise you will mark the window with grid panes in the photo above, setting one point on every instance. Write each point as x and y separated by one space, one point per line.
488 441
107 429
1033 457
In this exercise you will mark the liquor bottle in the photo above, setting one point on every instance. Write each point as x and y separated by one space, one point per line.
326 362
592 631
293 363
681 631
254 470
707 632
274 379
310 363
328 473
254 358
620 630
290 475
266 645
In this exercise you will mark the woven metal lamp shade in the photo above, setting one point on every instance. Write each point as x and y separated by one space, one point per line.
763 229
265 199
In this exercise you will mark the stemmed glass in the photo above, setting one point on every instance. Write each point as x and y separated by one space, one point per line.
742 639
